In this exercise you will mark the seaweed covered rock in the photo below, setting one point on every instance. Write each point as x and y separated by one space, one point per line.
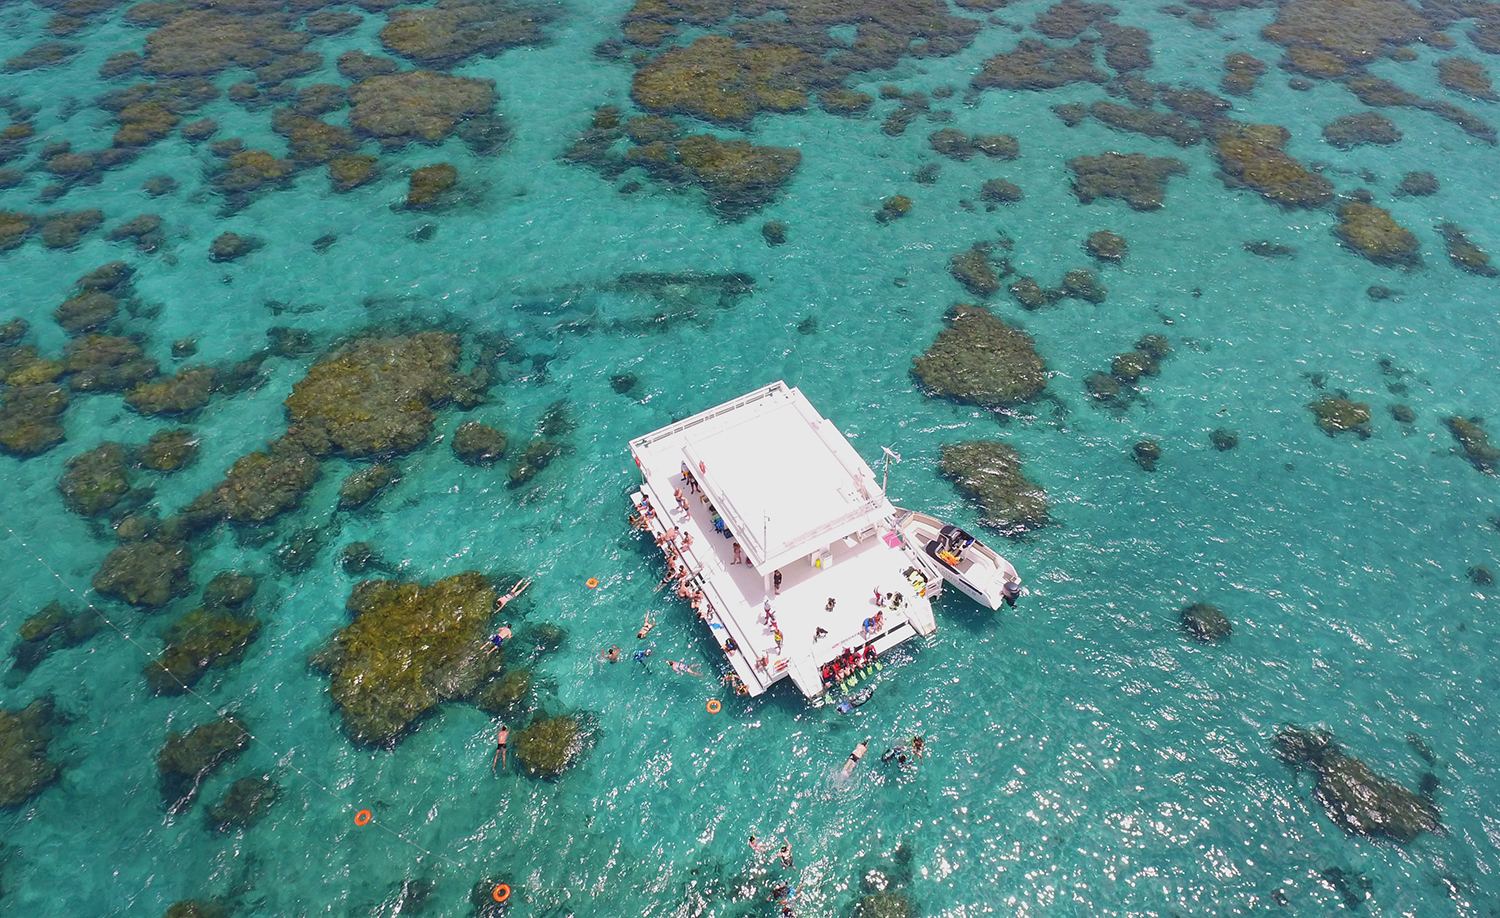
718 80
1147 454
1000 191
31 418
364 485
507 695
147 573
737 176
1356 798
66 230
1223 439
417 105
538 454
429 184
375 396
261 485
979 359
1474 442
974 269
25 735
893 208
54 627
169 450
245 803
454 30
773 232
1371 231
1205 622
351 170
199 641
185 759
955 144
989 472
548 745
408 649
1254 156
1336 414
1464 253
1035 64
1106 246
1417 185
1349 131
475 443
1136 179
106 363
95 481
229 590
181 393
1466 75
1083 284
1241 72
86 311
231 247
197 908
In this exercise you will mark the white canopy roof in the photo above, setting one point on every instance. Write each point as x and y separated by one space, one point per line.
783 477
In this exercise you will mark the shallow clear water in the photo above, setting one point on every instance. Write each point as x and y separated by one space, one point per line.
1086 757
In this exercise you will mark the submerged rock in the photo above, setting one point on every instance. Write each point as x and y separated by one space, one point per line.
981 360
538 454
187 758
955 144
1474 442
507 695
1136 179
1356 798
893 208
454 30
1349 131
245 803
229 590
169 450
1464 253
1373 233
1417 185
718 80
999 191
25 737
478 444
1106 246
364 485
1253 156
106 363
737 176
972 268
232 247
147 573
94 482
1224 440
30 418
375 396
1034 64
430 183
408 649
416 106
86 311
989 472
1336 414
548 745
1146 453
197 642
53 628
774 232
261 485
1205 622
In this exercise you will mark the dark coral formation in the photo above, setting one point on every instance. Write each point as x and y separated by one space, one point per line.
1177 128
475 443
185 759
975 269
548 745
1417 185
25 737
169 450
1353 30
720 81
1146 453
989 472
375 396
54 627
1136 179
95 481
979 359
229 246
452 31
1464 253
1241 72
1349 131
408 649
1253 156
1000 191
1104 245
1356 798
428 185
739 177
1336 414
1466 75
229 590
1034 64
416 106
199 641
364 485
1371 231
1474 443
147 572
1121 384
182 393
262 485
245 803
955 144
1205 622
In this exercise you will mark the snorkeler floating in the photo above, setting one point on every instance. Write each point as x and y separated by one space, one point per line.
501 738
516 589
498 639
855 756
646 625
682 669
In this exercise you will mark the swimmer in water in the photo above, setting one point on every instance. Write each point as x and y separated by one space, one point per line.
501 738
855 756
786 855
646 625
612 654
516 589
682 669
640 655
498 639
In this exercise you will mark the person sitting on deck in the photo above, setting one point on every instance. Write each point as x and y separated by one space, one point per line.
869 654
730 646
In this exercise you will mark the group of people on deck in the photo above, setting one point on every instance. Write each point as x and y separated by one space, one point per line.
846 663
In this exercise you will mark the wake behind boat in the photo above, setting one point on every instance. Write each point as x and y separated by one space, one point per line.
976 570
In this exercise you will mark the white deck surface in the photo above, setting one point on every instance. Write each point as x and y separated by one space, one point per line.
752 454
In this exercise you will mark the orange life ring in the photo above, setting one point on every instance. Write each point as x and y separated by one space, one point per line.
592 582
500 893
363 817
713 706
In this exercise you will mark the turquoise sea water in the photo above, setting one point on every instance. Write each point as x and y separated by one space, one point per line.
1085 756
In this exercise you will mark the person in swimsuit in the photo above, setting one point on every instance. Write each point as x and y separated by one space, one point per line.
640 655
786 855
682 669
855 756
612 654
776 582
498 639
501 738
918 746
516 589
646 626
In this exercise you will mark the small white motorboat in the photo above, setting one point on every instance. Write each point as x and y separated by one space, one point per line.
977 571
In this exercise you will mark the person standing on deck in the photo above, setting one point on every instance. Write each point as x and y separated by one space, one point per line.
776 582
739 557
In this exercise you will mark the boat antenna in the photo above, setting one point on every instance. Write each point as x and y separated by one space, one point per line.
890 457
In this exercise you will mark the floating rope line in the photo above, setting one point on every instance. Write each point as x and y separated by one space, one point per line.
282 759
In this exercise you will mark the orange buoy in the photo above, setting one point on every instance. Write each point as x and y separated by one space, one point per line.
713 706
592 582
500 893
363 817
